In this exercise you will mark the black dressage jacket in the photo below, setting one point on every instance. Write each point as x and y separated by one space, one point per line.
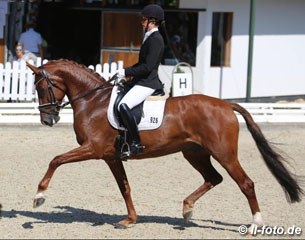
145 72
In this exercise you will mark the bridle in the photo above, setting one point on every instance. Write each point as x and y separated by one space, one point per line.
55 104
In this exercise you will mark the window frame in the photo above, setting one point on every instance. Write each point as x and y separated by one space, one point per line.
222 29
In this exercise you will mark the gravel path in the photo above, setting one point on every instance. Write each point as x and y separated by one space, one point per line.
83 200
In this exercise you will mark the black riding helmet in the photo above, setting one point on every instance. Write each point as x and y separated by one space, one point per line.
153 11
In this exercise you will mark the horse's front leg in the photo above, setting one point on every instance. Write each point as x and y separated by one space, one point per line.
119 173
81 153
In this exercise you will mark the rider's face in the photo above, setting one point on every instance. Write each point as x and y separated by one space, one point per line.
146 24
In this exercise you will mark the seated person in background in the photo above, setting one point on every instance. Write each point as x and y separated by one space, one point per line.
21 54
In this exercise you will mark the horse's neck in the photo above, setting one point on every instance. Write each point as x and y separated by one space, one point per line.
89 95
81 85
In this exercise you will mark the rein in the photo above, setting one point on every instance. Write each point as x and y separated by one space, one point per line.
85 94
54 103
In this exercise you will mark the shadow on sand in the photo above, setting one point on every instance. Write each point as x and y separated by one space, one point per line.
70 215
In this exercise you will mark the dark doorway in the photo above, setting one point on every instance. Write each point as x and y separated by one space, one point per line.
70 33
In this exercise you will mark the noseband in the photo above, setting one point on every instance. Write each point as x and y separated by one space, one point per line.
56 105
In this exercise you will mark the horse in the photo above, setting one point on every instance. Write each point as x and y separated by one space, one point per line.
199 126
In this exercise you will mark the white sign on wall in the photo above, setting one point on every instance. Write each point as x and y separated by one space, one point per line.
182 84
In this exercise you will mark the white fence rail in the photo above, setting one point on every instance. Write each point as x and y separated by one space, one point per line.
16 80
28 113
20 113
275 112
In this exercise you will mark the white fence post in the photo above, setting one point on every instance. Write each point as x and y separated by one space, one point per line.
98 69
15 80
7 81
22 82
106 70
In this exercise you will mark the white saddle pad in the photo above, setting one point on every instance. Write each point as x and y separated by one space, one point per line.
153 112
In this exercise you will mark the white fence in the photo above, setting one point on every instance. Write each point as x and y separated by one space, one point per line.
16 80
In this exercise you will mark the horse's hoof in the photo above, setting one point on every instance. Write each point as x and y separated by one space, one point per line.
124 224
120 226
38 200
187 215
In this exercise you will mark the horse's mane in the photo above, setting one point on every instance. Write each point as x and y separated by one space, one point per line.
73 63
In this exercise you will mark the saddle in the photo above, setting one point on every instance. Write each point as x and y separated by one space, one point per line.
123 140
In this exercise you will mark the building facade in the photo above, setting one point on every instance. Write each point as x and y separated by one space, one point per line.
211 35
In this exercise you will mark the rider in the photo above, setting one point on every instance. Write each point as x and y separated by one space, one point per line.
144 74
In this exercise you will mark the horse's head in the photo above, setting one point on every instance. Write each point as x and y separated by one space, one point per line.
51 91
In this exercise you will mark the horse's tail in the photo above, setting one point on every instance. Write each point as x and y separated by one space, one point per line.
273 160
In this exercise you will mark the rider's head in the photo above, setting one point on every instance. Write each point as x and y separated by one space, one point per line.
152 13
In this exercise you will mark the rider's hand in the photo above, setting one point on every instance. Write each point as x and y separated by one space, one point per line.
120 74
121 82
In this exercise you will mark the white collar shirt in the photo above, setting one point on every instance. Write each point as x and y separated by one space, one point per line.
147 34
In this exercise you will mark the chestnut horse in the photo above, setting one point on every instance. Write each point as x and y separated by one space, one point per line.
200 126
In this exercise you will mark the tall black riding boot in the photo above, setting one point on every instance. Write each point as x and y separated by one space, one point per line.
130 123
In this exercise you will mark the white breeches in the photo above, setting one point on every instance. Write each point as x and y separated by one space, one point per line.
136 95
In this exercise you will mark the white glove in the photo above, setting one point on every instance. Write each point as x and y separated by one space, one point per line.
121 82
119 78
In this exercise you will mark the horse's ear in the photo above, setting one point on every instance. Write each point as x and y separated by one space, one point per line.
33 68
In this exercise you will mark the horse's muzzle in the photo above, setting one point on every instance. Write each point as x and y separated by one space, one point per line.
49 119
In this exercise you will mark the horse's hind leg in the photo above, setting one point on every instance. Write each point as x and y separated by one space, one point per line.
246 185
200 160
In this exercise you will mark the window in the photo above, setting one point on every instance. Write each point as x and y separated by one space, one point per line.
221 39
181 27
124 43
121 43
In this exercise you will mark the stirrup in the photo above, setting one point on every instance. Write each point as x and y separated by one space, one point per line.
125 151
124 156
129 150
